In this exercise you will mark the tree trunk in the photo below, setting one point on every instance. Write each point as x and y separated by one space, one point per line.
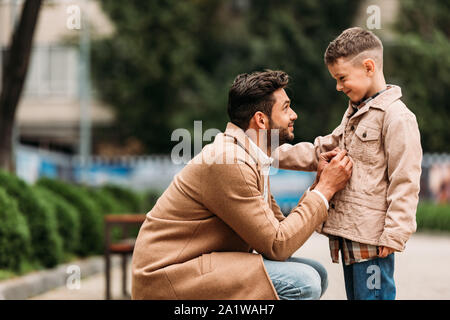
15 68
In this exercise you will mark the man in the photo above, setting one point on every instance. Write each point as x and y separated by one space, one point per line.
198 240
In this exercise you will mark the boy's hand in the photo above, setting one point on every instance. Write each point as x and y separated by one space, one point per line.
383 251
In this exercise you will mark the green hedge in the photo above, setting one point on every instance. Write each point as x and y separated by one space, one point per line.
91 220
45 224
431 216
46 243
67 217
149 199
15 240
106 201
131 201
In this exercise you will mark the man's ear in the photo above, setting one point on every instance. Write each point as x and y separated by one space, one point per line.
369 66
261 120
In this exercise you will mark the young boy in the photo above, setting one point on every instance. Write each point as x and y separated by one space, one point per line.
374 215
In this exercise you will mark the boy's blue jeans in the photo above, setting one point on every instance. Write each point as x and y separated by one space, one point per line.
297 278
370 280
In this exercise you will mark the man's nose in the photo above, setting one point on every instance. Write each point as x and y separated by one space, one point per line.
293 116
339 86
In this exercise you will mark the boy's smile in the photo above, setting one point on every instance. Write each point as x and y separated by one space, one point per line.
353 80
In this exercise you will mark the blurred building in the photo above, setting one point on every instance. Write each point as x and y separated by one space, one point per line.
48 115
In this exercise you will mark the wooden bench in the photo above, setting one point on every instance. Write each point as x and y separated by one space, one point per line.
124 246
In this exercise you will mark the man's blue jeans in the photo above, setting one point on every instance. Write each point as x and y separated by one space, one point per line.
370 280
297 278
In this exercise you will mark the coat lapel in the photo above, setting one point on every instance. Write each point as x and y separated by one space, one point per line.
242 140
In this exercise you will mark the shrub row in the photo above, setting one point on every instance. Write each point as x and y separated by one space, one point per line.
52 221
46 245
431 216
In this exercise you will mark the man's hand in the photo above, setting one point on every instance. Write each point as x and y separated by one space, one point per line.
324 159
383 251
335 175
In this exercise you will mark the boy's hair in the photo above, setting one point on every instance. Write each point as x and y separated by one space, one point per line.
250 93
352 42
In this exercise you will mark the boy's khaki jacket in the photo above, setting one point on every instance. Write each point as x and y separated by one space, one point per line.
197 242
378 204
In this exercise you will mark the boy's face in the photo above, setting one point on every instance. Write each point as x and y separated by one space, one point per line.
351 78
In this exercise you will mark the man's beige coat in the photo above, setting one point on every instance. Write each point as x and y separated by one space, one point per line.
198 240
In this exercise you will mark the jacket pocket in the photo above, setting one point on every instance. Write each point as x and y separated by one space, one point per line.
367 143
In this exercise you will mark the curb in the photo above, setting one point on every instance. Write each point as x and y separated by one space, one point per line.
38 282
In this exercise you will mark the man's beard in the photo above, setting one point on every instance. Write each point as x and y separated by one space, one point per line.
283 133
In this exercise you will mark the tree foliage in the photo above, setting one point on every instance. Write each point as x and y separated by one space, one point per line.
419 61
172 62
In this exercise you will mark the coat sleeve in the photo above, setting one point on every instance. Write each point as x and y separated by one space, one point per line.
231 192
304 156
276 209
404 157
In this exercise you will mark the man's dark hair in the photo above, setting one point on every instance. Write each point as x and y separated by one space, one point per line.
253 92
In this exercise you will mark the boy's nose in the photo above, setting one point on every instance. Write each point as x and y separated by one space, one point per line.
339 87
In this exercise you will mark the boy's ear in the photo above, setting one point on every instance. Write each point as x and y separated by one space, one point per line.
369 66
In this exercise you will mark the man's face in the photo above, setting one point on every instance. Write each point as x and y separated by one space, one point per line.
283 116
350 79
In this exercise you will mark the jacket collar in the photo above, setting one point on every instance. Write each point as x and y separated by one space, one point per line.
247 144
382 101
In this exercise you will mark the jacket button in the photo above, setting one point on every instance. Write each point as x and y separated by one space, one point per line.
352 128
364 135
332 205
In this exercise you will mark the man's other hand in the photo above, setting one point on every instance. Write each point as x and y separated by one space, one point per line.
335 174
324 159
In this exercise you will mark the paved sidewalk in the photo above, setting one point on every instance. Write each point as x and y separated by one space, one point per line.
421 272
91 288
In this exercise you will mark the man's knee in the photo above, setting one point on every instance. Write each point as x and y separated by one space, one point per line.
318 267
313 285
306 285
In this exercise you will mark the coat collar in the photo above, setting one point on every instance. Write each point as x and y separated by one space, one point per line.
247 144
382 101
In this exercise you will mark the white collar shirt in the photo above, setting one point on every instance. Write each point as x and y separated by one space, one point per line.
266 162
